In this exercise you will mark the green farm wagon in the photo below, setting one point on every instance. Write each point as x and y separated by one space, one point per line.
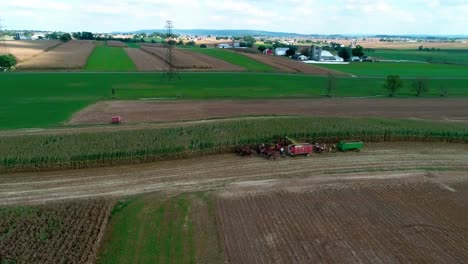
346 145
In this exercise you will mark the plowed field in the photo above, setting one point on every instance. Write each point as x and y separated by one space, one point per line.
186 60
25 49
284 64
356 223
145 61
139 111
377 161
114 43
72 55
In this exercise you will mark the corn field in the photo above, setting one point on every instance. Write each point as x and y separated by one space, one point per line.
46 152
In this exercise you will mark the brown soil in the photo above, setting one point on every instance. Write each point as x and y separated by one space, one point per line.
156 111
145 61
186 60
72 55
378 222
284 64
114 43
401 162
26 49
374 43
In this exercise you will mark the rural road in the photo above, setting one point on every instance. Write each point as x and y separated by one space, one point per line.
442 164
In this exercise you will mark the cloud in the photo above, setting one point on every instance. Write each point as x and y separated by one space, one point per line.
312 16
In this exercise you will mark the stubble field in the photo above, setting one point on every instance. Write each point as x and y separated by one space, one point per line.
72 55
26 49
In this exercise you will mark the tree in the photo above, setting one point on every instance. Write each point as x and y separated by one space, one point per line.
358 51
421 48
290 52
65 37
191 43
52 36
7 61
393 84
420 86
203 46
345 53
262 48
87 35
305 52
181 42
331 85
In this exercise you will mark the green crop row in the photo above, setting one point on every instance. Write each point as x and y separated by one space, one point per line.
43 152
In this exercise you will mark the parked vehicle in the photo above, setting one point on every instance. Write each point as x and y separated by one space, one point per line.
346 145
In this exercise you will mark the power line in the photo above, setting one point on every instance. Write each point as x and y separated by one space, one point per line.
171 72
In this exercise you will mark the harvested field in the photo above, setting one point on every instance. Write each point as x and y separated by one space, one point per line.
374 43
72 55
186 60
378 222
114 43
145 61
284 64
26 49
157 111
68 232
401 161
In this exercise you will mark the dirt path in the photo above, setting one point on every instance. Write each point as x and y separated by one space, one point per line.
164 111
403 161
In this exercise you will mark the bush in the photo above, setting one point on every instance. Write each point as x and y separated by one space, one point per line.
7 61
203 46
191 43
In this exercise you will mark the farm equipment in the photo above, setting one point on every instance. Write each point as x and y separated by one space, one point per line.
346 145
274 151
299 148
116 120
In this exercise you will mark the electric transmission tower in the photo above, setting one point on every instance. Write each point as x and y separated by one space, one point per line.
3 46
171 72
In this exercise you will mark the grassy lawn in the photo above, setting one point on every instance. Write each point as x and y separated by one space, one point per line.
451 56
235 58
404 69
32 100
106 58
152 229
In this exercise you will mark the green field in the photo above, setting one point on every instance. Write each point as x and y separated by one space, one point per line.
63 151
133 45
153 229
31 100
106 58
235 58
403 69
450 56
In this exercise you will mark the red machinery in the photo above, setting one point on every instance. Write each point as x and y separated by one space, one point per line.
116 120
300 149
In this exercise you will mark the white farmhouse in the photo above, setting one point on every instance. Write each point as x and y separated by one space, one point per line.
281 51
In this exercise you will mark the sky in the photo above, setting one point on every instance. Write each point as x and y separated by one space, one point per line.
433 17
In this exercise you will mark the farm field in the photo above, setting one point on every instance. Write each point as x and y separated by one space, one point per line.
347 223
145 61
64 232
103 146
54 102
180 110
26 49
403 160
447 56
292 66
374 43
109 58
153 228
72 55
114 43
185 60
403 69
235 59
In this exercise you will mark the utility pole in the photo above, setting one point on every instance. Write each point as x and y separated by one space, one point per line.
171 72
